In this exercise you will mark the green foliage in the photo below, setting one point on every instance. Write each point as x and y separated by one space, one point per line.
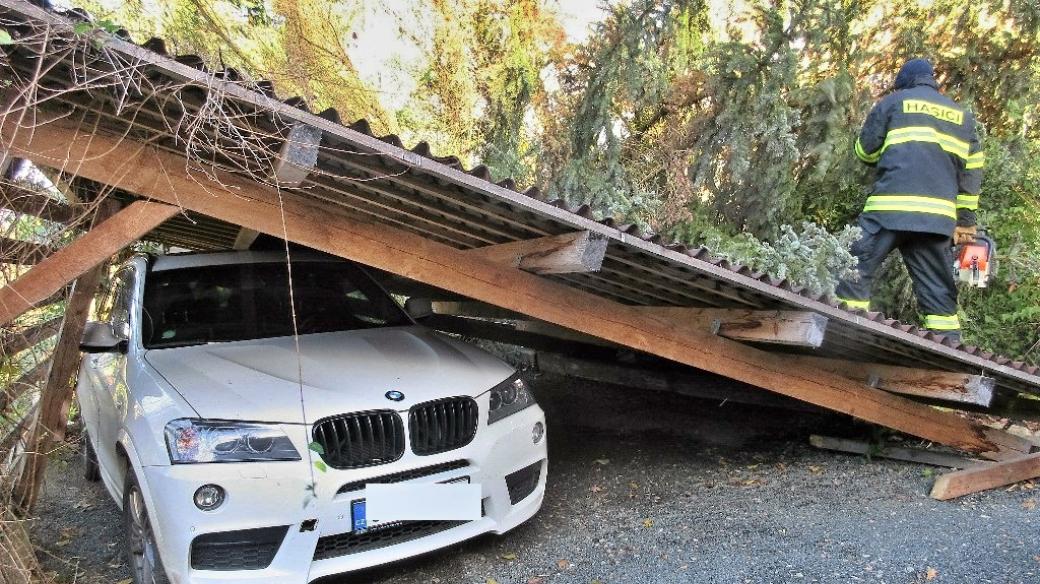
5 38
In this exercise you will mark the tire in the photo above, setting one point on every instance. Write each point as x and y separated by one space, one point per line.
91 470
142 553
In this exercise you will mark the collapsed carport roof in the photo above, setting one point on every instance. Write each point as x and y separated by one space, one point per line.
143 95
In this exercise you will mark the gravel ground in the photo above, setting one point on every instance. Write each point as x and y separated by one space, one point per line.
648 487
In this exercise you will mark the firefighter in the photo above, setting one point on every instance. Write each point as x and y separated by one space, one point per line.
929 173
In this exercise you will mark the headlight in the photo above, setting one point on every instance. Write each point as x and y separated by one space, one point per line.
508 398
192 441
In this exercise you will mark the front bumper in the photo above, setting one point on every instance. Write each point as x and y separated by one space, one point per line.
279 494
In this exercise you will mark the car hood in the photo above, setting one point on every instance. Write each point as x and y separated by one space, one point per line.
342 372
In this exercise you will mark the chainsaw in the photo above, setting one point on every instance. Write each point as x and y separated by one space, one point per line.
975 261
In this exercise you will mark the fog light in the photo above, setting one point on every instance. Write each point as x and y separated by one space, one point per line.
209 497
537 432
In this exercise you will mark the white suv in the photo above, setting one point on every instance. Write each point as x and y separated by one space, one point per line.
242 453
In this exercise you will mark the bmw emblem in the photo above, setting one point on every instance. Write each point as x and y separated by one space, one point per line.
394 395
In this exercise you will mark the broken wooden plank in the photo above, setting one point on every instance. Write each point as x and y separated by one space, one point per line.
167 177
939 385
984 477
578 252
894 452
780 327
298 156
705 386
73 260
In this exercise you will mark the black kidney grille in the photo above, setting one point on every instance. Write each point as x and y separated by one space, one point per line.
442 425
361 439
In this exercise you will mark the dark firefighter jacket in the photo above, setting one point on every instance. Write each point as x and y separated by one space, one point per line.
928 158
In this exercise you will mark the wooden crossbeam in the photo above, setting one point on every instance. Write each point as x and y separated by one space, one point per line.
578 252
779 327
298 155
143 169
245 238
984 477
13 342
472 309
73 260
940 385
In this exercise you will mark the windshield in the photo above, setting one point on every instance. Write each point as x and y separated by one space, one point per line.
236 302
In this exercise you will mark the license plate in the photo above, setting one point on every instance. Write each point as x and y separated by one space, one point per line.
359 511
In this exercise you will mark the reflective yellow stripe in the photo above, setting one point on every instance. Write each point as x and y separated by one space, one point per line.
862 154
977 160
950 144
912 204
970 202
941 322
861 304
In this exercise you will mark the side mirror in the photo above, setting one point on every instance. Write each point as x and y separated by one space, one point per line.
419 308
98 338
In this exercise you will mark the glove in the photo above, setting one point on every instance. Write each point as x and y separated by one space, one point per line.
964 234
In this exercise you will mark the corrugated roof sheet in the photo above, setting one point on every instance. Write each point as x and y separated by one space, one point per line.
376 177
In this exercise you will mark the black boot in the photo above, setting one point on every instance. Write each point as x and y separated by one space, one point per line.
954 336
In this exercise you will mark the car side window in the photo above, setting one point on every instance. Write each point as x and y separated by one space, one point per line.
119 319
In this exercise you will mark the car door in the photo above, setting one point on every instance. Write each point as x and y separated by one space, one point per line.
111 389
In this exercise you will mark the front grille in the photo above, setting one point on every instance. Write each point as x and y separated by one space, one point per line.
442 425
407 475
247 549
523 482
361 439
356 542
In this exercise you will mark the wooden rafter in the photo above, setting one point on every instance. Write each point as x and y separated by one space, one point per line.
86 252
166 177
985 477
570 253
929 383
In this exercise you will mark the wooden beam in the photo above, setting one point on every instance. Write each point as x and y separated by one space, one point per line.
578 252
245 238
894 452
298 156
939 385
469 308
75 259
48 430
981 478
147 171
703 386
775 327
25 253
14 342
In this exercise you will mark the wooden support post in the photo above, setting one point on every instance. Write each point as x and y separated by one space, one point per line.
73 260
778 327
48 429
940 385
981 478
577 252
298 156
893 452
147 171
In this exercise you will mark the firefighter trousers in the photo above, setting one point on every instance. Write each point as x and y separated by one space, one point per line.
928 258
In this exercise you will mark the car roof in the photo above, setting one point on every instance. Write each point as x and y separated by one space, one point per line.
224 258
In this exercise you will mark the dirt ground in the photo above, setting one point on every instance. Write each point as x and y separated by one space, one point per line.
650 487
